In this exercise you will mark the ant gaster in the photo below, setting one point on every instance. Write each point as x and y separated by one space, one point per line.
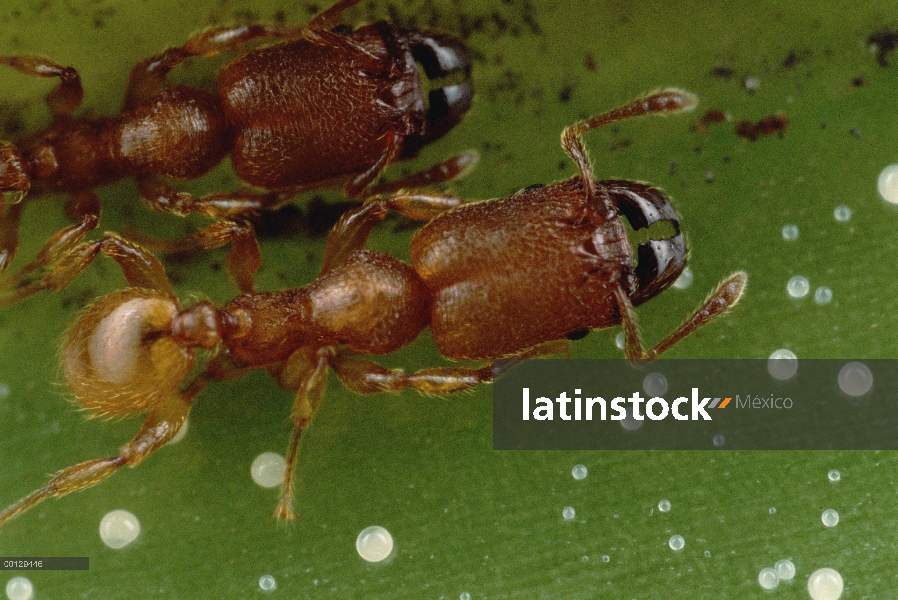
498 279
329 106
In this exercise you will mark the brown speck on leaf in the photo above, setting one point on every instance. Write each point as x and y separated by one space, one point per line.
885 41
722 72
766 126
590 62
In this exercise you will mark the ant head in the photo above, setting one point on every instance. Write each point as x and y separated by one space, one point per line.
121 358
661 257
14 176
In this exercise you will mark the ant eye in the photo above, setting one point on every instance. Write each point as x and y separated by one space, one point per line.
119 349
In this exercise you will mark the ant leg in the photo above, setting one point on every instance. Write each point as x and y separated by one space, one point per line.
162 197
244 257
64 248
352 230
663 102
148 76
9 233
66 97
140 268
718 302
306 372
330 18
454 167
366 377
160 426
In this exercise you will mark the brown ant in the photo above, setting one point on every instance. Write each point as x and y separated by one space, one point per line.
503 278
328 106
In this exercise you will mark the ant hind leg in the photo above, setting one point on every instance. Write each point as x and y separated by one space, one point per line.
160 426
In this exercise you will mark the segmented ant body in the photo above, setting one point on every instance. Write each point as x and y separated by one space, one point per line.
505 278
328 106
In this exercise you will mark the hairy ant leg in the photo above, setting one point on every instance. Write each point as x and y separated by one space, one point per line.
244 257
718 302
352 230
663 102
162 424
148 76
66 259
454 167
60 261
63 99
306 373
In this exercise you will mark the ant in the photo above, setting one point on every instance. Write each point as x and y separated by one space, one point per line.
328 106
499 279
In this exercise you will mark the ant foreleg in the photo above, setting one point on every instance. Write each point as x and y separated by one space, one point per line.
718 302
352 230
663 102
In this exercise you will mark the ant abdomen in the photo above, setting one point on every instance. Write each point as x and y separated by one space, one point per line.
120 358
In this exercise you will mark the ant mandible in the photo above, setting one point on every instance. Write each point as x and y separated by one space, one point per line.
328 106
504 278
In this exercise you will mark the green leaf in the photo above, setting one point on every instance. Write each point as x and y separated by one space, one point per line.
464 518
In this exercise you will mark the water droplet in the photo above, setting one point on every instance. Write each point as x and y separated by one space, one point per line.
830 517
785 569
579 472
181 432
798 286
267 469
707 554
752 83
771 510
855 378
569 513
719 440
19 588
619 340
823 295
654 384
664 505
768 578
606 558
374 543
464 596
684 280
4 394
267 583
825 584
842 213
676 543
887 184
118 528
790 233
782 364
834 475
